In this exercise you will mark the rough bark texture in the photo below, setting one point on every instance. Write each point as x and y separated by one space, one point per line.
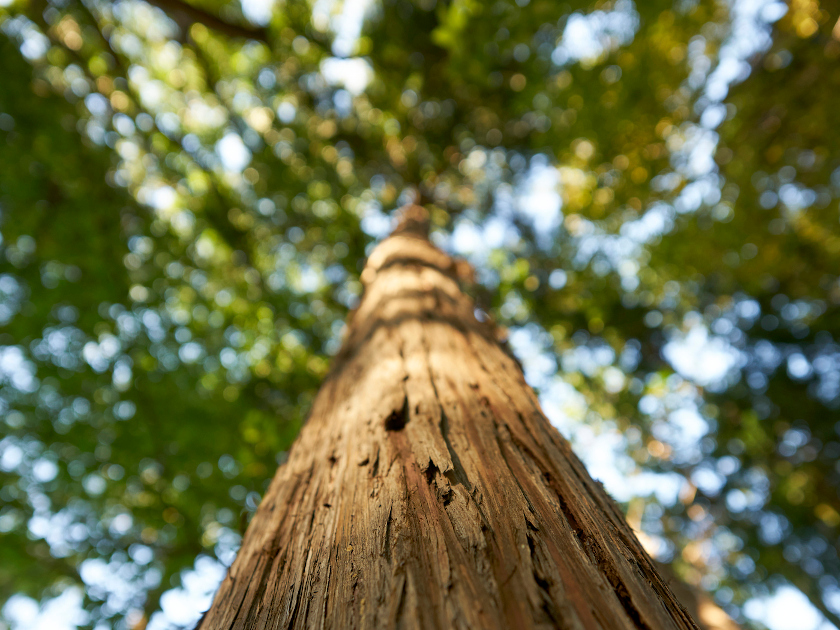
428 490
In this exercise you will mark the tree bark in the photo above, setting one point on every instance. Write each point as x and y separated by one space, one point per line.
428 490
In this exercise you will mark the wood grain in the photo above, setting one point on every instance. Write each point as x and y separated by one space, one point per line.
428 490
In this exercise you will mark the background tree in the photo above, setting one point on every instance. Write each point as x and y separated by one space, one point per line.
187 196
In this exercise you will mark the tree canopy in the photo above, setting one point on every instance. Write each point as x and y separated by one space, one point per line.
648 192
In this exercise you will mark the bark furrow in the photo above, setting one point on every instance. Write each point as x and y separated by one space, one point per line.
428 490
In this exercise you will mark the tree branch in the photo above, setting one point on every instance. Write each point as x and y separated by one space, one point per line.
812 592
185 15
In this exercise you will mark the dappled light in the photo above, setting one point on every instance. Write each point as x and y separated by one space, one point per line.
647 192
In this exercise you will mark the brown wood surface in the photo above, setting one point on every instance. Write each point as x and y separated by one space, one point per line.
428 490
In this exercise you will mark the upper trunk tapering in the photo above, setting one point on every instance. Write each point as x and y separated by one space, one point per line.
428 490
412 219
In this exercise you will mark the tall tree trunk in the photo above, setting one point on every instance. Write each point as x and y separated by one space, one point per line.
428 490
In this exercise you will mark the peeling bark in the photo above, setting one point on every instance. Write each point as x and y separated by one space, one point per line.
428 490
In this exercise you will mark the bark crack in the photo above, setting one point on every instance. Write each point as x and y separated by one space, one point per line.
527 540
594 551
387 542
458 474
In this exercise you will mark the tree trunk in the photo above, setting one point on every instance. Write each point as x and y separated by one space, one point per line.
428 490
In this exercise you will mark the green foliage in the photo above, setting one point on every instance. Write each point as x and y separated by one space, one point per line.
185 213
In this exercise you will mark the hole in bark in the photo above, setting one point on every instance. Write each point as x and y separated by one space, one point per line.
431 471
398 419
445 495
395 422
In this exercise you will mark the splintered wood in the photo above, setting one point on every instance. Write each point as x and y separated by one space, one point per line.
428 490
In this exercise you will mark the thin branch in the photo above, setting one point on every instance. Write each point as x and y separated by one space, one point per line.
812 592
230 236
185 15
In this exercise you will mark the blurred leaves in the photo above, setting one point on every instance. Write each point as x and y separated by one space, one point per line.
648 191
